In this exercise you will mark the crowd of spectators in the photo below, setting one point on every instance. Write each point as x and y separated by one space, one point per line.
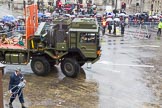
9 28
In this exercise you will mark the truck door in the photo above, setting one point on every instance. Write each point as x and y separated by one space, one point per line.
73 40
88 44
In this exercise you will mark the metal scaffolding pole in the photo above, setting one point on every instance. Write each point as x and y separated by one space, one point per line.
115 7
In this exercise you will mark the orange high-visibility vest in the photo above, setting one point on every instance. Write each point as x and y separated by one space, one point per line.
104 23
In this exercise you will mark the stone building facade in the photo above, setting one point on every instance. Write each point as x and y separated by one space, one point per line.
156 6
150 6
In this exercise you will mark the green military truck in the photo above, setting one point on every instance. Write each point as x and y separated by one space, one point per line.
68 43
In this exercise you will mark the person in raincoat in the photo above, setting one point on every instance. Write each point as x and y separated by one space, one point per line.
159 28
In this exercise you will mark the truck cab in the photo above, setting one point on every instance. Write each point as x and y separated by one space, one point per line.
84 37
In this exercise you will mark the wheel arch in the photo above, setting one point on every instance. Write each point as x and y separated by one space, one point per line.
75 53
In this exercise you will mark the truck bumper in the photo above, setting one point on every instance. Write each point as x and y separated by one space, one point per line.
95 60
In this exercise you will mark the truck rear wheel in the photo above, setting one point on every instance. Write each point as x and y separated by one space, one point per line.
40 66
70 67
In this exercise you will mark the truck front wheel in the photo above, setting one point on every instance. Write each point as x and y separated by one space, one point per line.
40 66
70 67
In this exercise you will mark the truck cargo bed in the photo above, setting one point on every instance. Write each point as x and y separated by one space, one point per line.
11 46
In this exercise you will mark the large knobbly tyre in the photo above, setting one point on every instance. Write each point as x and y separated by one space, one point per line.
70 67
40 66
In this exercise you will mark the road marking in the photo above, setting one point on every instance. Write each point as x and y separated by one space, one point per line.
130 65
115 71
151 46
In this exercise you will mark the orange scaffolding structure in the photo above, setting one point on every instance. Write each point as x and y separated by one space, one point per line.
31 20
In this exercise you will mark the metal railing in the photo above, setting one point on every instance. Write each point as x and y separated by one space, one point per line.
149 24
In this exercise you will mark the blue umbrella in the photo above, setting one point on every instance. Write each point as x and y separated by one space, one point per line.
109 13
8 18
40 15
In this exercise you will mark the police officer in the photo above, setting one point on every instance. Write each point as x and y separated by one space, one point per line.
159 28
16 85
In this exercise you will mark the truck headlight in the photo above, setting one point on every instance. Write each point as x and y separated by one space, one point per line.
98 52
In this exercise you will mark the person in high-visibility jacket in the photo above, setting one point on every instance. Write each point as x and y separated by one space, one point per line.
159 28
104 23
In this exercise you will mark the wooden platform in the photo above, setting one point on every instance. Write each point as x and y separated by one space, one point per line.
11 46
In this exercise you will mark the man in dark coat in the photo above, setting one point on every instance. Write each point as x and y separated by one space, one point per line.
109 27
16 84
115 24
122 27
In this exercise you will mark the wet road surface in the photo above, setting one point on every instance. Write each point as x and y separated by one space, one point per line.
121 76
